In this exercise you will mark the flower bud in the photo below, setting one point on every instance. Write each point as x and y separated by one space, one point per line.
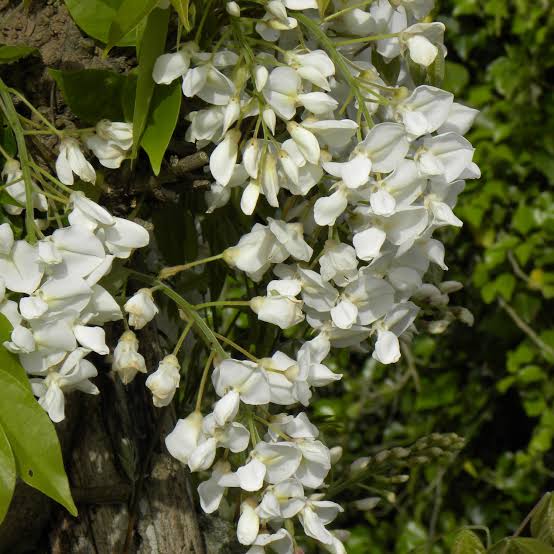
183 440
261 75
366 504
22 341
141 308
127 361
249 523
448 287
438 327
336 454
422 50
359 465
464 315
270 119
233 9
164 381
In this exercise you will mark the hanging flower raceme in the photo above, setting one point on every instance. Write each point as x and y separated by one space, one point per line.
372 162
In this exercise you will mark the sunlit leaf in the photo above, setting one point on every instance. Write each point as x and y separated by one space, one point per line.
33 441
9 54
129 14
95 17
164 110
7 474
152 45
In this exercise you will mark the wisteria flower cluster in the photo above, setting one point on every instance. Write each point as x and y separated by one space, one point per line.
334 123
61 308
305 116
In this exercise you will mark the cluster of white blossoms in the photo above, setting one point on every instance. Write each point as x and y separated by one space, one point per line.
329 120
49 288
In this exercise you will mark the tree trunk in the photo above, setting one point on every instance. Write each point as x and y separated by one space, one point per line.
132 496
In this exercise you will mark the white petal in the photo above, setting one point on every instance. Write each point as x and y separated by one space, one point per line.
382 203
328 209
251 476
226 408
93 338
248 524
224 158
306 142
169 67
422 51
203 455
387 347
344 314
368 243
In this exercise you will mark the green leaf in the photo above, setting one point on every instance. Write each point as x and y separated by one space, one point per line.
92 94
9 54
542 522
7 474
164 110
524 219
34 441
182 8
521 546
129 14
152 46
322 6
467 542
7 140
8 361
531 546
456 77
95 17
436 71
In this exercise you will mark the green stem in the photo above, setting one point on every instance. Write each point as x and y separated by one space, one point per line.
203 381
205 332
346 10
13 121
168 272
238 348
337 58
51 178
34 110
207 11
222 304
7 157
182 338
366 39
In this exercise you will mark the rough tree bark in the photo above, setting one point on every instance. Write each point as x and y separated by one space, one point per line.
132 496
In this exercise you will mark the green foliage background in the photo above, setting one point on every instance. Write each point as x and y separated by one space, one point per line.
491 383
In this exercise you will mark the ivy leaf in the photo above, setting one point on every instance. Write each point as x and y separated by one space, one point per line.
164 110
7 474
542 522
9 54
129 14
8 361
95 17
33 441
467 542
152 46
92 94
